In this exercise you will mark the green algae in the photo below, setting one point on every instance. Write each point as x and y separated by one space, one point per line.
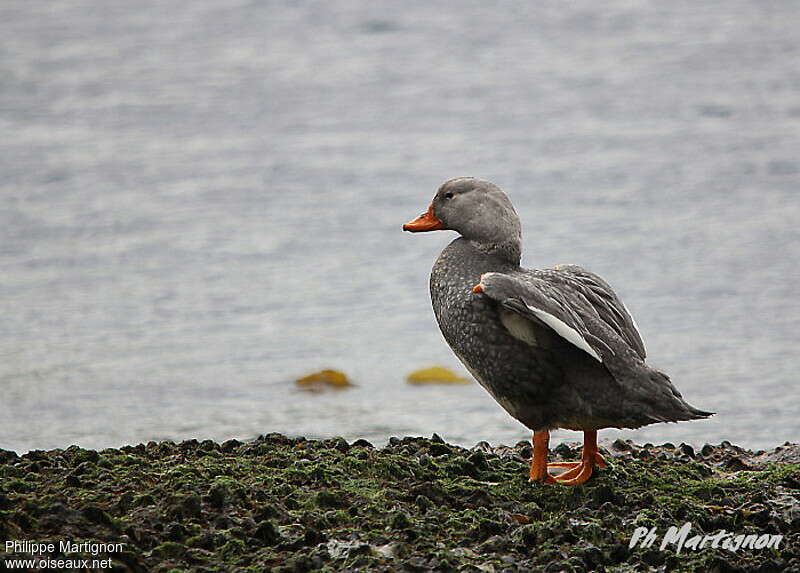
286 504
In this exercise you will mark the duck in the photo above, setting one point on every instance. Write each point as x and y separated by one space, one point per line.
555 348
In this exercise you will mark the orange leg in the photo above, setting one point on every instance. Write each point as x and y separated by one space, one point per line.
577 472
590 458
539 458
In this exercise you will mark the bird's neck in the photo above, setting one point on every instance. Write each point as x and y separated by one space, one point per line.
509 251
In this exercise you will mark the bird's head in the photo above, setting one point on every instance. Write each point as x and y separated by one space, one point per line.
478 210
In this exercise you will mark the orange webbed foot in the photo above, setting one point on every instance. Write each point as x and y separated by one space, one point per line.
580 472
576 476
576 472
571 468
599 461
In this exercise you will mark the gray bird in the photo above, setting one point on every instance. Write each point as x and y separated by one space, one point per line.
556 348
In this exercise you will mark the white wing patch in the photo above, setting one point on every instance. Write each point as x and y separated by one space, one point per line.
519 327
565 331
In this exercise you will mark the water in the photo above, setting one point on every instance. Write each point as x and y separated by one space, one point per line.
202 201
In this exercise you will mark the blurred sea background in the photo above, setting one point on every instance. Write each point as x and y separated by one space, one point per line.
202 201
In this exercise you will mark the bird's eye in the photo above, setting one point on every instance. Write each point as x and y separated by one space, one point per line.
448 195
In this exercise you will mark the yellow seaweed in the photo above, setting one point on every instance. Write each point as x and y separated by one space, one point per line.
435 375
332 378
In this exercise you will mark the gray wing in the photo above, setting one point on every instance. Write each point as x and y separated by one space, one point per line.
582 309
601 298
542 302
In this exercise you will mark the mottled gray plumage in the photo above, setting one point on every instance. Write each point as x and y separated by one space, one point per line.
556 348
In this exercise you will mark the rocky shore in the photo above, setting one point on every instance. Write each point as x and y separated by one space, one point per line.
290 504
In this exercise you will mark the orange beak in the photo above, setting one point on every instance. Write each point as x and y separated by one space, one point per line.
425 222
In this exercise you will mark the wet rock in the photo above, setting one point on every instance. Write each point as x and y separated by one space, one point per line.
341 445
791 481
208 446
175 532
494 544
423 503
399 520
267 533
82 456
620 445
361 443
187 506
96 514
483 446
478 460
124 503
338 549
563 451
188 445
525 535
219 495
166 448
329 498
208 540
559 567
223 522
603 493
525 450
653 557
687 450
230 446
438 449
169 550
279 503
144 500
736 464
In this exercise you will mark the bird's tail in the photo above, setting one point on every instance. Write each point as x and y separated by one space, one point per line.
698 414
681 409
